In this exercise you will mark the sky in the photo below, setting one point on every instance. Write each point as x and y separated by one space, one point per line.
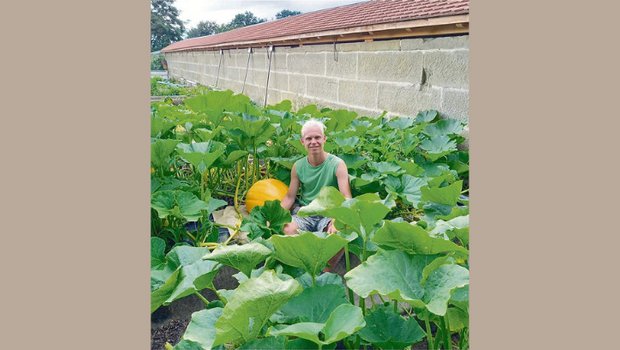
223 11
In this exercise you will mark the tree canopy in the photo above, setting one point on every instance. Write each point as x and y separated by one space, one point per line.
204 28
242 20
166 27
286 13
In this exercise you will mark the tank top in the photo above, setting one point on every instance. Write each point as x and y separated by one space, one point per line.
314 178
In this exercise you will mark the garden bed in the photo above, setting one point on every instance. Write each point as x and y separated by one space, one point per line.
226 278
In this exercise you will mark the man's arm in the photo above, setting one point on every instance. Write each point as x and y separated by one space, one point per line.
293 187
342 174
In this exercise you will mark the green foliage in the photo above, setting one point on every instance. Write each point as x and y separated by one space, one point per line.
166 26
407 222
244 19
286 13
203 28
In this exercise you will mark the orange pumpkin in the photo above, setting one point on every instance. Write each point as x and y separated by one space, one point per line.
265 190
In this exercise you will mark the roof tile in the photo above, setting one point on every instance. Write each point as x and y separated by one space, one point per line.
341 17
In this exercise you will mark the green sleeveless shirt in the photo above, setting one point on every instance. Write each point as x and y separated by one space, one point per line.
314 178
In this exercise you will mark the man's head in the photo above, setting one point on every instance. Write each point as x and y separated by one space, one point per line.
313 136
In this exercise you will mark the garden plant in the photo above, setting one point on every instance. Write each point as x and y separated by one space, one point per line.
405 232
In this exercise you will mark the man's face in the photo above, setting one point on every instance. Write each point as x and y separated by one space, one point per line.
313 140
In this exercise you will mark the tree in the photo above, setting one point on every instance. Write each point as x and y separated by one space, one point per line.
166 27
286 13
241 20
203 28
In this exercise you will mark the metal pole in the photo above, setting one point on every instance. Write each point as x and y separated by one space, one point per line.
247 65
270 53
218 67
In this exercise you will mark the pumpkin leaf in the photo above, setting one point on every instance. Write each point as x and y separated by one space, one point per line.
180 204
250 307
438 146
406 187
413 239
314 304
426 116
241 257
398 275
185 273
448 195
388 330
307 250
161 151
158 246
201 154
201 328
266 220
268 343
444 127
345 320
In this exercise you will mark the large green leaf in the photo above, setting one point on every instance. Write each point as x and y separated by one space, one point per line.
266 220
158 247
201 154
413 239
388 330
392 273
161 151
444 127
214 103
250 307
186 273
241 257
180 204
443 195
268 343
456 227
406 187
386 168
201 328
339 120
426 116
441 283
314 304
160 125
398 275
345 320
438 146
248 131
307 250
360 214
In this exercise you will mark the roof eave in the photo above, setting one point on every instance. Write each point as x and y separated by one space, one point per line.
446 25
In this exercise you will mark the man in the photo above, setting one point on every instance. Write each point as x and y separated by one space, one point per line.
313 172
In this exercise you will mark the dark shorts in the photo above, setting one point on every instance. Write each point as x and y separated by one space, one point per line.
311 223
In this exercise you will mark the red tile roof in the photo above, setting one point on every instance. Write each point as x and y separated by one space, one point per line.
341 17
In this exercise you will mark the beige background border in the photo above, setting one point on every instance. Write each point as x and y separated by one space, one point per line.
75 180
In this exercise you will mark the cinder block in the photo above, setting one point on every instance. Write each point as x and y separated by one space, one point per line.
230 84
257 77
297 84
447 69
278 81
278 61
344 65
390 66
310 63
229 72
322 88
455 104
439 43
258 60
357 93
256 93
407 100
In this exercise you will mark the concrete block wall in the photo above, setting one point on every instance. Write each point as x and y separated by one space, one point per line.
401 76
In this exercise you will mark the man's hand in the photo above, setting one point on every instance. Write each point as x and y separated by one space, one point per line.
330 227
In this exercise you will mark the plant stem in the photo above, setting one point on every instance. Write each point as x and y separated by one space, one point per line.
429 334
201 297
446 332
348 266
235 201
